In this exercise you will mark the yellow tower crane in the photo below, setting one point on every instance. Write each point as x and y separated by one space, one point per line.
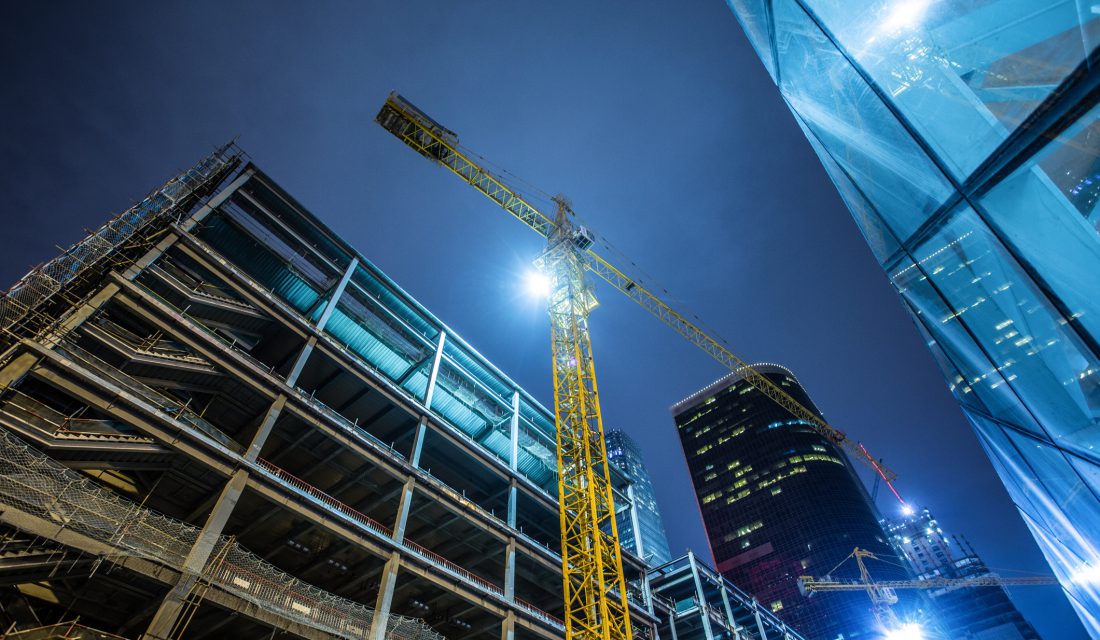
594 587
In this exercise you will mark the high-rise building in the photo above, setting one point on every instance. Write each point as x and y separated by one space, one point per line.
640 528
214 399
964 137
964 613
780 501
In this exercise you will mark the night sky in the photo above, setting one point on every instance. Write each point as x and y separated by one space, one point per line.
655 118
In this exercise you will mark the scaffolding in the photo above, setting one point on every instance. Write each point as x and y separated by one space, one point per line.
60 631
175 198
36 485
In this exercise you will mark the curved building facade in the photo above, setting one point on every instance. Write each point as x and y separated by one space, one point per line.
965 139
779 501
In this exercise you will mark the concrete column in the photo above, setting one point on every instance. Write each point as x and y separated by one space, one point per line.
172 606
513 460
264 430
513 457
300 361
508 626
403 507
418 442
430 390
385 598
513 497
510 570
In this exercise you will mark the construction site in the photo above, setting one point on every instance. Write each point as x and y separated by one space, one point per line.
220 420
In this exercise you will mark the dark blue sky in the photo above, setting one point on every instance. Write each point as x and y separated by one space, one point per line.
655 118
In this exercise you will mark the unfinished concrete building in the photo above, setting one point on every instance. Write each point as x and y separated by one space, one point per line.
219 420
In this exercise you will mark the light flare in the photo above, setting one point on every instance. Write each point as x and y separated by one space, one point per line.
907 631
537 284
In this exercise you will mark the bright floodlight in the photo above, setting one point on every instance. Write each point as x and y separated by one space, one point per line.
907 510
538 284
907 631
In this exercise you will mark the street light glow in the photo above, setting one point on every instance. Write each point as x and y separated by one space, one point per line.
907 631
538 284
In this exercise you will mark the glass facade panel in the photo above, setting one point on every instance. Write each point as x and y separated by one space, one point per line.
1048 211
1036 354
973 376
964 135
854 125
965 74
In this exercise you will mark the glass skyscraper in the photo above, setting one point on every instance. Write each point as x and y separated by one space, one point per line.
652 543
780 501
963 136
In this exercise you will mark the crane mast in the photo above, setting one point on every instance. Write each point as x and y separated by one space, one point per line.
592 572
595 589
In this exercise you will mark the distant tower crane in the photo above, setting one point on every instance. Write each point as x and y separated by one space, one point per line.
594 586
883 594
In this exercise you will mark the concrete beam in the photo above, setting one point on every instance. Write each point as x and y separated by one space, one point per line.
14 370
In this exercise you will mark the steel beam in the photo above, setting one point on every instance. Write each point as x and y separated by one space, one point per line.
429 391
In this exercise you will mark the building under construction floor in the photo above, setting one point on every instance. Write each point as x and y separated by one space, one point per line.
219 420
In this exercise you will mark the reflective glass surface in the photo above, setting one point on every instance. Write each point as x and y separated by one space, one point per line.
964 135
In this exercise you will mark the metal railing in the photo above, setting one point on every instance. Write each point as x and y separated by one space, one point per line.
60 631
32 483
301 486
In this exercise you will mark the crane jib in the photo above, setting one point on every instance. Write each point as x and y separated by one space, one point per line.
437 143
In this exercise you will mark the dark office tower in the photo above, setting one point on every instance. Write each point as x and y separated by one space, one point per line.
964 138
641 528
780 501
964 613
214 400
